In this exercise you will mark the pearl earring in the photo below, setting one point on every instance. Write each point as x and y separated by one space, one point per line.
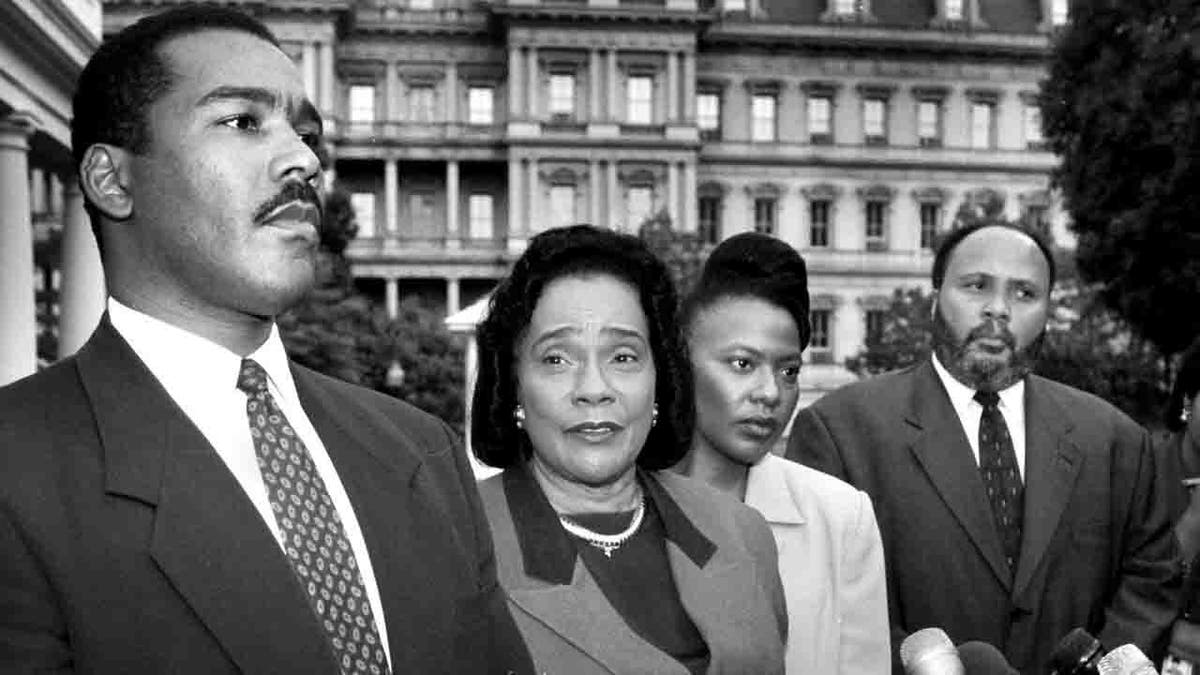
653 415
519 416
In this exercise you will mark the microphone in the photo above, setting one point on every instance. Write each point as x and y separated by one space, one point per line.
1076 654
1126 660
929 651
981 658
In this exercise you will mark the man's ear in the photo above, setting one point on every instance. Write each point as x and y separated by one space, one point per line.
104 175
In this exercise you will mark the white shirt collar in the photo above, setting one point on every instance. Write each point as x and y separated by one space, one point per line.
176 355
962 396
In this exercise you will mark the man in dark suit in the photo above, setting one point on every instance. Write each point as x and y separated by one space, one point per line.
181 498
1012 508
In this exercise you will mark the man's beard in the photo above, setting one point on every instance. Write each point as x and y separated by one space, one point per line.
983 374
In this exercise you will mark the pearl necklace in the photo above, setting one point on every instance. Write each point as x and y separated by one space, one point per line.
607 543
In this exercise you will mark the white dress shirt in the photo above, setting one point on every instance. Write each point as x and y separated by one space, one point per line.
201 377
970 411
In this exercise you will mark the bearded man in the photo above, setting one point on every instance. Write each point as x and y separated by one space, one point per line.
1012 508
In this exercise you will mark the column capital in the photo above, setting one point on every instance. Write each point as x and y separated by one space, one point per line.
16 128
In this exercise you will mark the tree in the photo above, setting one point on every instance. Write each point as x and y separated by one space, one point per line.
1121 107
1087 345
682 252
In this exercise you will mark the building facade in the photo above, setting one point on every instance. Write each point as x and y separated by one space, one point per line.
852 129
43 47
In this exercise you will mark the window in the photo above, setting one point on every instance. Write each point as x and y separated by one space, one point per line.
710 219
763 116
875 121
639 100
874 324
639 206
420 4
954 10
1037 216
764 215
1058 12
845 6
820 120
929 124
362 104
875 225
931 223
481 214
421 208
420 103
820 329
562 95
480 105
363 205
708 114
562 205
818 223
1031 119
734 5
981 125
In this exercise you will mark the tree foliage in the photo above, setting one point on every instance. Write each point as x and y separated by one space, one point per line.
1121 107
682 252
338 331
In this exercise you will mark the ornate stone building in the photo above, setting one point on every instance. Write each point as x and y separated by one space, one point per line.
852 129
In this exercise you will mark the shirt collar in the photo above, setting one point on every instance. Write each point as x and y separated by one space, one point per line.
178 355
546 549
962 397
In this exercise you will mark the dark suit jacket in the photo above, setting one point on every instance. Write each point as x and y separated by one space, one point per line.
722 556
127 546
1097 549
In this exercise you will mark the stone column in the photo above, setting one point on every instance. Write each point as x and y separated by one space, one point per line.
595 110
673 194
516 218
391 300
515 97
689 88
391 197
534 223
594 187
37 191
532 86
328 83
453 236
451 87
688 222
610 78
18 315
308 64
614 196
391 93
672 86
82 297
453 300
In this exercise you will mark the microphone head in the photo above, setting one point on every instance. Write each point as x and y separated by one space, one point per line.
1126 660
929 651
1076 649
981 658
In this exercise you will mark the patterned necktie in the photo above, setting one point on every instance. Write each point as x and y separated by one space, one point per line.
998 467
315 542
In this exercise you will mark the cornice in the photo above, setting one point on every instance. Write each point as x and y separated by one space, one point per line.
572 13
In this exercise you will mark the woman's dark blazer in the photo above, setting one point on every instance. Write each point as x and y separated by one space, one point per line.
722 556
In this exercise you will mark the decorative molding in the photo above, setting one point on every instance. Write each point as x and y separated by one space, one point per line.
764 190
931 195
934 93
821 192
712 188
876 193
980 95
877 91
1036 198
821 88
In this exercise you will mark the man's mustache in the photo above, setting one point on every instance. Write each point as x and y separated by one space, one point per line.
992 330
292 192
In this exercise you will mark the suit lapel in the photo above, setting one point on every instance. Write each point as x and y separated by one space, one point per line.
942 450
581 615
1052 464
207 538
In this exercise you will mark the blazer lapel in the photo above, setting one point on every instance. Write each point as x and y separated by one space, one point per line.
1052 464
207 538
942 449
581 615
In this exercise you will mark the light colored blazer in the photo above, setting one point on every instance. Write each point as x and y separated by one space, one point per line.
831 564
734 597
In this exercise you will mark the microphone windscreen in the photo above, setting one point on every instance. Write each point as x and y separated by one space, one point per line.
929 651
981 658
1126 660
1074 650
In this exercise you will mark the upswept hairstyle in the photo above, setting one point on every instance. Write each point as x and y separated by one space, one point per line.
1187 383
941 259
753 265
127 74
579 250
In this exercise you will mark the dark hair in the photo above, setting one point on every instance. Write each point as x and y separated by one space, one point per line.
127 74
956 236
1187 383
756 266
579 250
